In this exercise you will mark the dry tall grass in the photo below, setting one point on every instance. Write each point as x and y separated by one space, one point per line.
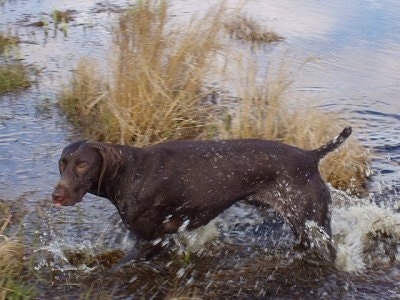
11 250
11 260
158 73
84 103
266 112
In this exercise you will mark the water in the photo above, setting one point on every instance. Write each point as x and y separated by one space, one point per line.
353 53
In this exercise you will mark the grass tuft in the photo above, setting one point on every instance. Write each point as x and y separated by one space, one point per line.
13 76
7 41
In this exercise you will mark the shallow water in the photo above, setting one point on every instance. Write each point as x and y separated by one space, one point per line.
353 53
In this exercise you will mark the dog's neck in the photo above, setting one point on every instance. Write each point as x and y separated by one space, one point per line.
110 188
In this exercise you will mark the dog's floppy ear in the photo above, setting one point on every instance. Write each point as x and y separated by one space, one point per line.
71 148
111 160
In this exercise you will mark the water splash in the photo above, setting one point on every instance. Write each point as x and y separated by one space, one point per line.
366 235
196 241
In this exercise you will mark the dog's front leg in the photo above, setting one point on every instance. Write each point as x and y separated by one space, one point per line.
143 250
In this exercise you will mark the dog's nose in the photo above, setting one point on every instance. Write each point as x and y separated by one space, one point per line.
57 195
59 192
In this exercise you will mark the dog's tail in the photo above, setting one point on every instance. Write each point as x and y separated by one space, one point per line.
333 144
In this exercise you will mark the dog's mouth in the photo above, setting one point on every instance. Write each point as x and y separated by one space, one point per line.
62 198
58 202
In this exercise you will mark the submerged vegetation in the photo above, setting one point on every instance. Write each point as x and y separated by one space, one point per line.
59 19
160 82
247 29
63 16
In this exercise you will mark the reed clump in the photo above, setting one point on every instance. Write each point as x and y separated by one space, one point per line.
157 88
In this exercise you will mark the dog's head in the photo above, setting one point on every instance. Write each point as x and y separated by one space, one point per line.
83 167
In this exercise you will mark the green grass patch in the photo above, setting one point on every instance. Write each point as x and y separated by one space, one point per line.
13 76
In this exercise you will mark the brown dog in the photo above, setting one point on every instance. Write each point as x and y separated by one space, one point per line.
158 188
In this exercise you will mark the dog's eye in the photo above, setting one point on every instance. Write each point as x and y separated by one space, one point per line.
81 166
61 165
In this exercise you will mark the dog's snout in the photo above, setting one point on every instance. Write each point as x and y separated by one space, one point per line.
57 195
59 192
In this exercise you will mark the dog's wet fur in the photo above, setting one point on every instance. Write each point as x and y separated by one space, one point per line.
158 188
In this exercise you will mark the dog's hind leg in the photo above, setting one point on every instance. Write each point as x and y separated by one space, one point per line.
312 220
306 209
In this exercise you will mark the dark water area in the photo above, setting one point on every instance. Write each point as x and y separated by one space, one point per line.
353 54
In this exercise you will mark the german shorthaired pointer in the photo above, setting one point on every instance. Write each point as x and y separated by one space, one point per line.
157 189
